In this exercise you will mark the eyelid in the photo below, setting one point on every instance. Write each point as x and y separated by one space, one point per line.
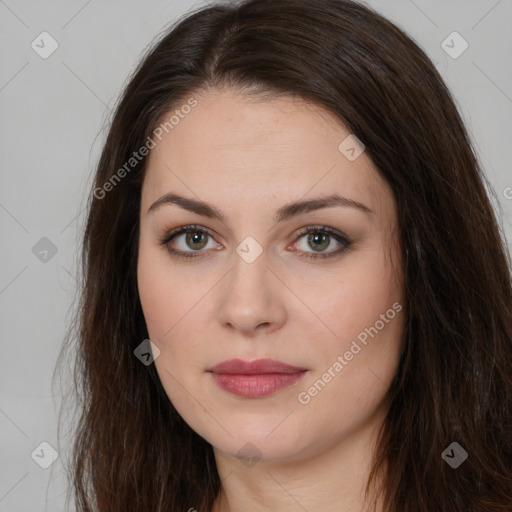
188 227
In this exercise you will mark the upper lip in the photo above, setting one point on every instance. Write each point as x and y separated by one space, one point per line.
257 367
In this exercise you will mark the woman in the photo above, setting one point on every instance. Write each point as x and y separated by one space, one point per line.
295 291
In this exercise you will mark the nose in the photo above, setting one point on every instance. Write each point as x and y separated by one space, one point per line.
252 298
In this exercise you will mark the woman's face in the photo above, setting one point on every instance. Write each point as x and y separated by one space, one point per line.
274 270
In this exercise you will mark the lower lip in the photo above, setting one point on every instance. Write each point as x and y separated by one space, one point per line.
254 386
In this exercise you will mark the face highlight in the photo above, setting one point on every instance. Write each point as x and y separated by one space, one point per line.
261 239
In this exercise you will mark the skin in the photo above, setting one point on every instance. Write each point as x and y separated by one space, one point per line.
248 158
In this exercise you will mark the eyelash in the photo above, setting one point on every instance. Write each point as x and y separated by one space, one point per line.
339 237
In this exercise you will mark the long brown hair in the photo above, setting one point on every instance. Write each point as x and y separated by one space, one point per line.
131 450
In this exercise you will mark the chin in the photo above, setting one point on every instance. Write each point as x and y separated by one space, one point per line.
258 436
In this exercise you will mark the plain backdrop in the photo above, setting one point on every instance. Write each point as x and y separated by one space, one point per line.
52 123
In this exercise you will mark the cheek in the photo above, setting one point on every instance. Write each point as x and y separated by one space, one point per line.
355 301
165 314
154 301
163 294
171 307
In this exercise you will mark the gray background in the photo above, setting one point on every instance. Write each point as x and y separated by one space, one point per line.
53 119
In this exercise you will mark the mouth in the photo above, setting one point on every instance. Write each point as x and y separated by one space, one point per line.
254 379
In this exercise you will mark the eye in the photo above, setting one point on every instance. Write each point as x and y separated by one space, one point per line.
194 238
320 238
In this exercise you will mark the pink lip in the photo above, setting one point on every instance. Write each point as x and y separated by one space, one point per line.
253 379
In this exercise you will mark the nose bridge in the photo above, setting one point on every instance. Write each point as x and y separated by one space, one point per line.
251 296
250 274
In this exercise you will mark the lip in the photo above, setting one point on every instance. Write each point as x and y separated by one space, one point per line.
253 379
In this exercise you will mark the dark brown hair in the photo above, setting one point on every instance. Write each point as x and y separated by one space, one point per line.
131 450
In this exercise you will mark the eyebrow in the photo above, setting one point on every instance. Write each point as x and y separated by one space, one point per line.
284 213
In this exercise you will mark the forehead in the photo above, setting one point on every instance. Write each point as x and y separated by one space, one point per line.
233 146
